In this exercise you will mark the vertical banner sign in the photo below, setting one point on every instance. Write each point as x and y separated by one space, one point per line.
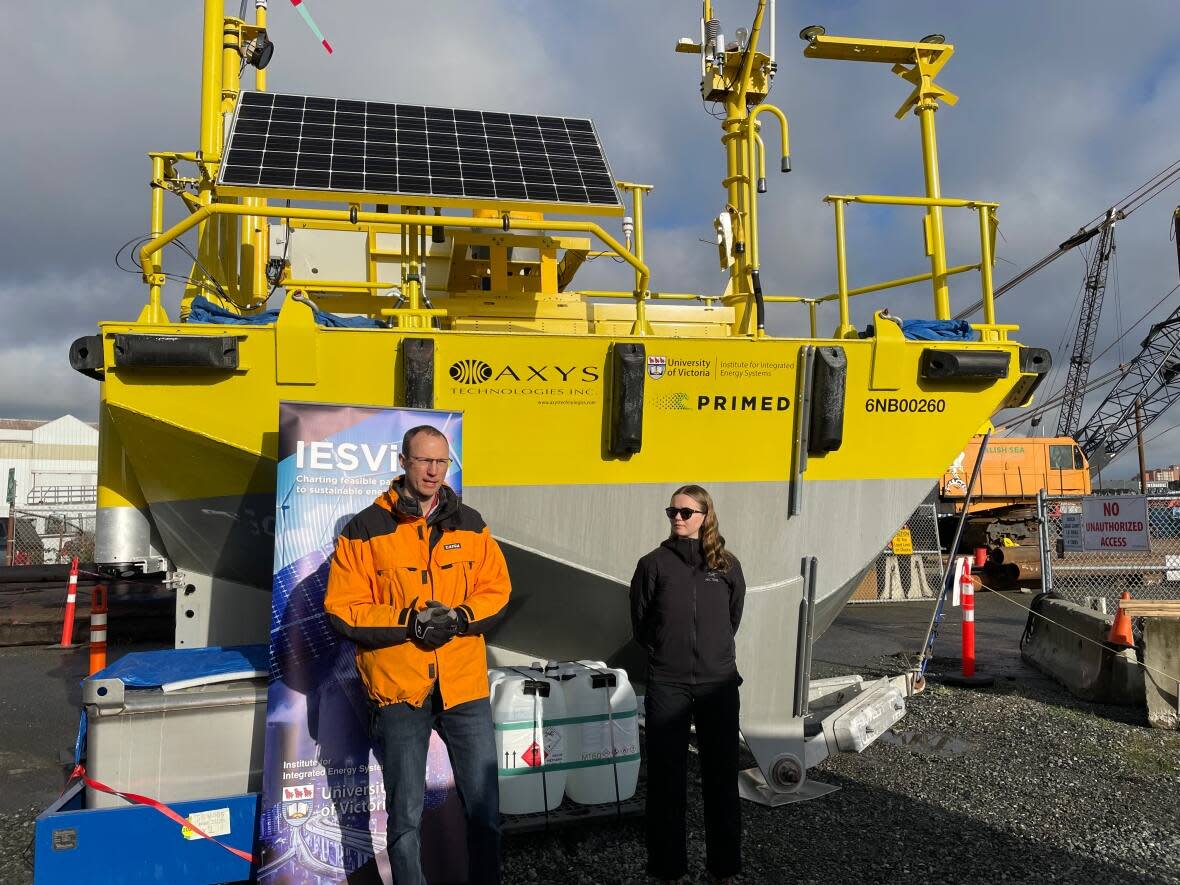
323 801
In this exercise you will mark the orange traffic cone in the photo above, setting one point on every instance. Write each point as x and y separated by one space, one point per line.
1120 630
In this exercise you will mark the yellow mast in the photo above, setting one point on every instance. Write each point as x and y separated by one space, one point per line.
740 80
917 63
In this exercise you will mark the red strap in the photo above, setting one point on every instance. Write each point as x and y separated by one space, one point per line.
136 799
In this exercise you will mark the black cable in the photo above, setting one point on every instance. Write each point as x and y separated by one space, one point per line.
136 242
1161 433
1056 395
1138 198
1034 610
286 246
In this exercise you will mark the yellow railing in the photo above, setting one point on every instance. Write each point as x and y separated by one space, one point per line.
154 277
942 311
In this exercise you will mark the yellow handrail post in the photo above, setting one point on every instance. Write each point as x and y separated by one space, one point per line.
985 264
637 192
845 328
811 315
640 326
153 311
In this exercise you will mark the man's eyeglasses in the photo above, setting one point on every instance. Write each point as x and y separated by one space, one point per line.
684 512
431 462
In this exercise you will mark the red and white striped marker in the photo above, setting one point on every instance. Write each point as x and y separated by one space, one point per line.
967 595
98 628
67 626
310 22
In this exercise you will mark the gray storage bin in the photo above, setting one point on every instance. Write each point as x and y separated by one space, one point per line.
199 742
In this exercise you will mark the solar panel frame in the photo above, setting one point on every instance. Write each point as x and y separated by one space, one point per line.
295 146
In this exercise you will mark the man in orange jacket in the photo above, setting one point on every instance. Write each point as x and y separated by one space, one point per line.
416 580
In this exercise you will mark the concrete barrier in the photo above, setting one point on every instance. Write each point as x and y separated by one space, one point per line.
919 586
1161 652
1091 672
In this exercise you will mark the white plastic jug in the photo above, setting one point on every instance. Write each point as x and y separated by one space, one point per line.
527 713
602 723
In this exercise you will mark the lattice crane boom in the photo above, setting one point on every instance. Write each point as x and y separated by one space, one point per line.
1151 380
1087 333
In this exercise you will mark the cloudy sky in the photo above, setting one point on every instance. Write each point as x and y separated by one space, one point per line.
1065 108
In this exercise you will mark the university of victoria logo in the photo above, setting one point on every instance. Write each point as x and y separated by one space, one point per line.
471 371
656 366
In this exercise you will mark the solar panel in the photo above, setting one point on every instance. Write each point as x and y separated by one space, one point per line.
423 155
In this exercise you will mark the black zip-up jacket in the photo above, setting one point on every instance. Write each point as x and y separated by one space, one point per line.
686 616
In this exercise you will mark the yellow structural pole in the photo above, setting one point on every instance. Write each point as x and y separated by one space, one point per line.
255 247
230 235
845 327
260 21
918 64
738 181
414 277
811 315
154 311
936 242
209 144
752 194
985 264
637 192
211 66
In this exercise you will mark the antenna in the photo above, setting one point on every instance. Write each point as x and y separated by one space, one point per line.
773 57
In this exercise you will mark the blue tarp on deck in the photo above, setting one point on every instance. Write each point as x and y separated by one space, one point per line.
202 310
938 330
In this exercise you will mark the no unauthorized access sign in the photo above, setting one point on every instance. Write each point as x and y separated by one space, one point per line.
1115 524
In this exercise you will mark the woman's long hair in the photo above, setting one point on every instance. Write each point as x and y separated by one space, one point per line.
717 558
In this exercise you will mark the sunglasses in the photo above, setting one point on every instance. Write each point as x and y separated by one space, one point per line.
685 513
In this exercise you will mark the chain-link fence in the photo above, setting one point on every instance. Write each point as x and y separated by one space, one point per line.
46 536
1098 578
910 567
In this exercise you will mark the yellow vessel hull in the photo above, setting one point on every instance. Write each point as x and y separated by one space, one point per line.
196 450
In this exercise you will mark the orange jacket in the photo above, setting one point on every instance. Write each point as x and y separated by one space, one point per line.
389 561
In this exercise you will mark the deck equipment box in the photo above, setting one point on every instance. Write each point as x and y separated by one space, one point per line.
177 724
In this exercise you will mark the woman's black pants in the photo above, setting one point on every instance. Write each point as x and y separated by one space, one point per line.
670 707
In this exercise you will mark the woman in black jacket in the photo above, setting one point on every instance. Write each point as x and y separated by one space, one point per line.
686 604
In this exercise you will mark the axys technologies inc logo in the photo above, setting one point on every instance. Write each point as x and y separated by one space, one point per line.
471 371
475 372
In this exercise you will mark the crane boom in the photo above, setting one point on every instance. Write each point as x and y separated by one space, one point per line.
1150 381
1087 332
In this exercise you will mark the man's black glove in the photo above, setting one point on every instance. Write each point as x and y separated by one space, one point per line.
435 625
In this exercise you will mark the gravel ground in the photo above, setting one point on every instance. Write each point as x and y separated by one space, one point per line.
1020 782
16 846
1032 785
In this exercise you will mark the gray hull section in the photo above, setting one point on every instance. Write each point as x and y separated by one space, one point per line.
573 549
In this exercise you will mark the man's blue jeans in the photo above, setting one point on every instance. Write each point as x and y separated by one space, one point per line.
404 734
